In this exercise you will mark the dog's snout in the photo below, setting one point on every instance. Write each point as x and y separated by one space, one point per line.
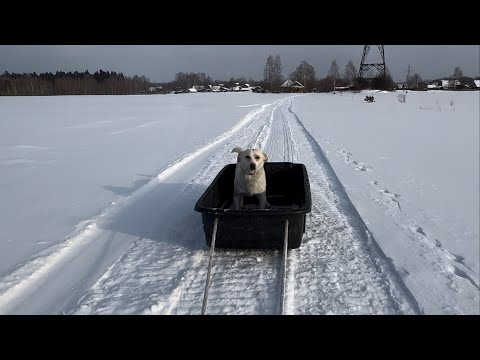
252 166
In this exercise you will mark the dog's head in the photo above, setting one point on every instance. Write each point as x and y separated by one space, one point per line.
250 160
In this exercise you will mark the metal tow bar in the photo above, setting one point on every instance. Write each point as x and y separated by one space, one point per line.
210 261
284 267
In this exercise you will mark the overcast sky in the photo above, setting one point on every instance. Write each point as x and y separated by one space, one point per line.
160 63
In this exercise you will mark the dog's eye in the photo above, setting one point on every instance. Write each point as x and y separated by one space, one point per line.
248 157
257 157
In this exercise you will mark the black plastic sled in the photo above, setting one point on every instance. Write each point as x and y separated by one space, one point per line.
288 196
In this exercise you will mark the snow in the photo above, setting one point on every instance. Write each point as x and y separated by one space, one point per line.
98 195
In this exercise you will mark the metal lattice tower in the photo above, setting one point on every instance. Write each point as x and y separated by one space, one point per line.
379 66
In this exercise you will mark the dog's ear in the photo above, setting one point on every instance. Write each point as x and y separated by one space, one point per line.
265 156
237 150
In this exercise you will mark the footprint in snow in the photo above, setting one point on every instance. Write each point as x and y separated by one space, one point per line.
460 259
392 196
346 155
420 231
463 274
361 166
395 195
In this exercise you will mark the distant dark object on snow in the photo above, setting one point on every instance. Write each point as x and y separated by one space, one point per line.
259 89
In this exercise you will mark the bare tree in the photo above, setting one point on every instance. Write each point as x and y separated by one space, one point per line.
350 72
272 73
305 74
334 73
277 73
268 70
457 72
413 80
334 70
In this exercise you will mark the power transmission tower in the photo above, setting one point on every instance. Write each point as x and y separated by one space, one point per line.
379 66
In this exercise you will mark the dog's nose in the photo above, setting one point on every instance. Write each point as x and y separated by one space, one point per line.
252 166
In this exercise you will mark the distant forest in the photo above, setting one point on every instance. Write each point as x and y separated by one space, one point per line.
72 83
98 83
101 83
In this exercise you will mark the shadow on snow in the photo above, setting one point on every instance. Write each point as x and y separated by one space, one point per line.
164 213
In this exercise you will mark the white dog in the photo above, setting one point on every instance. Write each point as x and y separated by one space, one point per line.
249 177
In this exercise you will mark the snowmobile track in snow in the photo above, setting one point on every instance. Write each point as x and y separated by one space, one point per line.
338 269
396 298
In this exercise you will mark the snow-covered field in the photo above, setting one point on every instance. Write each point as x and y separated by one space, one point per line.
98 194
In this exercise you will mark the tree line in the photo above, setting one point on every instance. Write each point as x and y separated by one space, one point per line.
113 83
306 75
273 77
414 79
72 83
